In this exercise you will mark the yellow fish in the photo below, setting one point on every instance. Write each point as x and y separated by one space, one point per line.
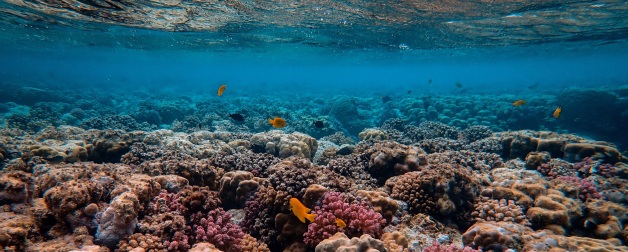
340 223
221 89
557 112
518 103
300 211
278 122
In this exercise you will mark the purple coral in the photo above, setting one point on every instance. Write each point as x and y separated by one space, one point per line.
217 228
587 189
359 218
606 170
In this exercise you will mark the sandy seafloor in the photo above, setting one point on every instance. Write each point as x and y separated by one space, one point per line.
139 171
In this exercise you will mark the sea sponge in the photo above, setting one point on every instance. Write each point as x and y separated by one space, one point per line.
340 242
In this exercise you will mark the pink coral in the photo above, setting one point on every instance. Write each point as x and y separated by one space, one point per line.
359 218
179 242
217 228
587 189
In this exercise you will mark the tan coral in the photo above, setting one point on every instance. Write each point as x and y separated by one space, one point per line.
285 145
236 186
554 208
290 228
250 244
381 202
71 195
606 217
204 247
483 234
395 242
312 194
16 229
575 152
372 134
340 242
573 243
15 187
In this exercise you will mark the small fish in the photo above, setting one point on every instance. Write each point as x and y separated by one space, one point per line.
340 223
386 98
300 211
237 117
319 124
458 85
278 122
409 91
221 89
518 103
429 81
200 126
557 112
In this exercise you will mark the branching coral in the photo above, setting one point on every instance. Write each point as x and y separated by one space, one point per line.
360 219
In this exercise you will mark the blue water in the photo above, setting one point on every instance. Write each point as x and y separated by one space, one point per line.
321 71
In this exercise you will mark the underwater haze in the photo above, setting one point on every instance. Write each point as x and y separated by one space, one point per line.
245 125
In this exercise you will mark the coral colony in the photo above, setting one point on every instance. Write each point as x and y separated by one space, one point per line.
444 174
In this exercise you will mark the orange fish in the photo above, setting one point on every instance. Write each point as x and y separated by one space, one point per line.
340 223
278 122
300 211
221 89
518 103
557 112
